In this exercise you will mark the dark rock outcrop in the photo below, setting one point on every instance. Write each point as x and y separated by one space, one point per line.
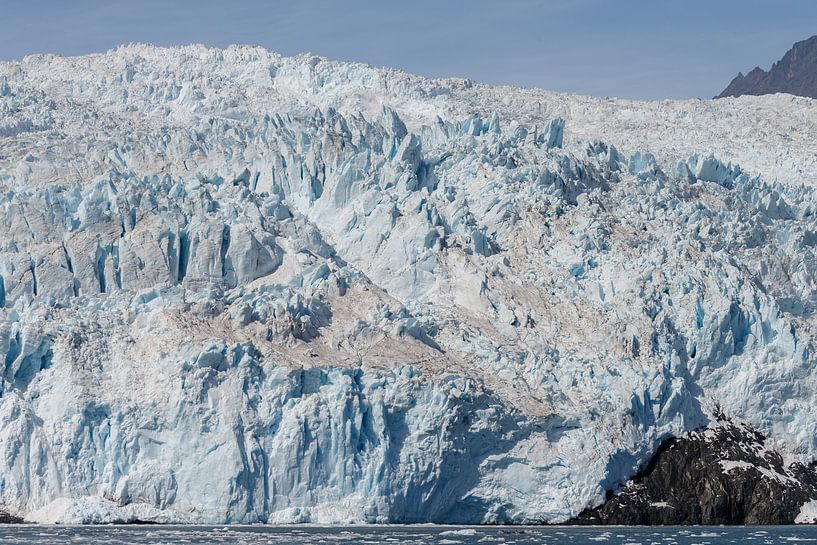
722 475
6 518
795 73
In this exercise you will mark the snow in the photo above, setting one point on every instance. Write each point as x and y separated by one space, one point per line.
238 287
808 513
729 465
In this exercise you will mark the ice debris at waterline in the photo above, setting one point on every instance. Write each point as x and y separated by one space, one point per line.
401 535
238 287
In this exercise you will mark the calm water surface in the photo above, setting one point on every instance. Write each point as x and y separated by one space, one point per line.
399 535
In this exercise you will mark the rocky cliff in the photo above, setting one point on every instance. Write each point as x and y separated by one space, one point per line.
795 73
727 474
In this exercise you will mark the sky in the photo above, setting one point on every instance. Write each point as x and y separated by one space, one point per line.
625 48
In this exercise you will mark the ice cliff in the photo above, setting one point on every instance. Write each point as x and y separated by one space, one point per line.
238 287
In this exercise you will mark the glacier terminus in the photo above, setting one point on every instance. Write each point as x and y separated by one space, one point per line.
237 287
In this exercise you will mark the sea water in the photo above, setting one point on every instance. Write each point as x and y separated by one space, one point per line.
398 535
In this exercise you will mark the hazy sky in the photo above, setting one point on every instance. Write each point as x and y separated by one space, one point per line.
626 48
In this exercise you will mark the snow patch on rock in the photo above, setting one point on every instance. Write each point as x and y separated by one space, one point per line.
808 513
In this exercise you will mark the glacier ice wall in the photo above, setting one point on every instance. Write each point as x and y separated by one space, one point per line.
236 287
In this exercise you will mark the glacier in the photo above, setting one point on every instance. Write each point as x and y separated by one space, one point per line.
237 287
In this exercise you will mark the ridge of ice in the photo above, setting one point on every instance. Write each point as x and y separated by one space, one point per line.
238 287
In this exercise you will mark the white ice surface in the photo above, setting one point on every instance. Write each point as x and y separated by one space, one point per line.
808 513
237 287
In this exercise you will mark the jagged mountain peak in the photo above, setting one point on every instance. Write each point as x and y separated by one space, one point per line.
795 73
